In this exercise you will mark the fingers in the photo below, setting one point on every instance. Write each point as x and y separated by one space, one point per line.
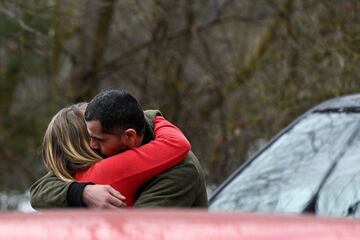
116 203
115 193
116 198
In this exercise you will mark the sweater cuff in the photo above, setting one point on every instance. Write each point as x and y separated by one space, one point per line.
74 194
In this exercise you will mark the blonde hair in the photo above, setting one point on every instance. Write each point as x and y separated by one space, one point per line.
65 147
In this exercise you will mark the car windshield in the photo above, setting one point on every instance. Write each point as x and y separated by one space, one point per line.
320 154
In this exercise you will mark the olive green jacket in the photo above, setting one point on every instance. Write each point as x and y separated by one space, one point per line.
182 186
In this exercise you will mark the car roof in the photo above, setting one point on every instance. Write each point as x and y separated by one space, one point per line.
347 101
171 224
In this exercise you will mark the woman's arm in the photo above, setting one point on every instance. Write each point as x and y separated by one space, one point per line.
127 171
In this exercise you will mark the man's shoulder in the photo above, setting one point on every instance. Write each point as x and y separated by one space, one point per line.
187 171
190 167
192 160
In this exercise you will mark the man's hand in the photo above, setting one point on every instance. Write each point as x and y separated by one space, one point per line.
102 196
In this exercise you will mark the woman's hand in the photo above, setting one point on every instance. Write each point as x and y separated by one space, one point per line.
102 196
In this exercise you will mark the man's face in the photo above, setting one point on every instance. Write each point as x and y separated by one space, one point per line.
107 144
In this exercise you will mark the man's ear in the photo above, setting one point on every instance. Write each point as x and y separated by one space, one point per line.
130 137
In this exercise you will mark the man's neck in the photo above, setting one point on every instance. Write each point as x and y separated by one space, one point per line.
148 134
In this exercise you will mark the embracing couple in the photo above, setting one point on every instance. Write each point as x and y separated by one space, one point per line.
110 153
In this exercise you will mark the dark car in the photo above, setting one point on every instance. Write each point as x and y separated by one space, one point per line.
312 166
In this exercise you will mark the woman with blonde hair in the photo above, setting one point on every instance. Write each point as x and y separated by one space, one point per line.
67 153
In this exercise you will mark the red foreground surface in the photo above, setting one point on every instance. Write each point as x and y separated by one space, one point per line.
171 224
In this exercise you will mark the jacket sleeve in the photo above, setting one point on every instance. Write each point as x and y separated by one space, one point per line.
51 192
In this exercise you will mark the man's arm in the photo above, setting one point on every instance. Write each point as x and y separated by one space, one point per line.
181 186
51 192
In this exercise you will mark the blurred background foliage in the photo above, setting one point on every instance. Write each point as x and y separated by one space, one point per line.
229 73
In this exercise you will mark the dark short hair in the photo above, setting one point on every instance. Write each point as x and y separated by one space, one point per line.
116 109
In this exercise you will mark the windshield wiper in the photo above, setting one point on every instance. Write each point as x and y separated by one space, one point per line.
339 110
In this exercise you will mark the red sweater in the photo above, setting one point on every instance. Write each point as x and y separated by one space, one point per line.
127 171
